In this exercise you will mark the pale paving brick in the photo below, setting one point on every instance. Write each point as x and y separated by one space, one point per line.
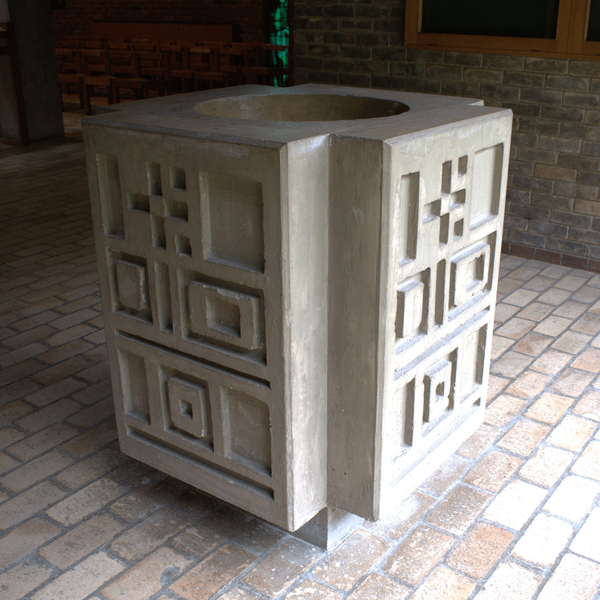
24 539
7 463
529 385
546 466
236 593
214 572
81 541
458 509
572 382
90 468
17 582
500 345
17 390
343 567
93 415
81 580
476 553
148 577
573 498
503 410
510 581
589 406
54 391
55 412
493 471
549 408
36 470
136 505
406 514
513 506
92 440
587 541
572 433
85 502
446 584
479 442
417 555
9 436
13 411
312 590
257 537
441 479
575 578
551 362
378 587
65 351
543 541
21 354
73 366
26 505
148 535
281 568
523 436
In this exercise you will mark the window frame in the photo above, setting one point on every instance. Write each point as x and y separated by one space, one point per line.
570 42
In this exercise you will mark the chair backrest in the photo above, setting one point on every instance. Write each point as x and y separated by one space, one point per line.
94 62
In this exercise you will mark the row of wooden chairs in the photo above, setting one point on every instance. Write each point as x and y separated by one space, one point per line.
169 66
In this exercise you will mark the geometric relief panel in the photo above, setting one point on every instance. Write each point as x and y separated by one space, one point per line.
247 429
134 383
471 360
132 285
437 390
225 315
189 408
232 220
129 285
469 273
412 304
487 180
428 398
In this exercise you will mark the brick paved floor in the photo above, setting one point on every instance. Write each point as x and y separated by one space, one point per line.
512 515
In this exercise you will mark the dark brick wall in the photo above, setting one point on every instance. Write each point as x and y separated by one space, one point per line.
75 20
553 204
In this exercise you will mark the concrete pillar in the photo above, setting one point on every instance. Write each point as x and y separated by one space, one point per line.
31 20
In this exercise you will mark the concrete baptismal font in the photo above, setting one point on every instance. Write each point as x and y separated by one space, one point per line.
298 289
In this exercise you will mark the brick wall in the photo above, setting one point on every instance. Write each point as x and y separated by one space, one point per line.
553 205
75 20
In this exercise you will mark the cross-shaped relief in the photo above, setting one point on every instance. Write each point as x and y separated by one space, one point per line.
449 208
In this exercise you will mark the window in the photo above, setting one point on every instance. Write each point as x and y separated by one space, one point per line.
562 28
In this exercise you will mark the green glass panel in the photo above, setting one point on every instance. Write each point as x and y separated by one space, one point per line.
279 34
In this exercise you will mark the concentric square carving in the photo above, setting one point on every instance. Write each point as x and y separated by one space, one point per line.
189 407
225 315
437 380
132 285
469 273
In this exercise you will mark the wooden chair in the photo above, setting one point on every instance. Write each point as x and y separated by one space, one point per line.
95 65
263 71
68 66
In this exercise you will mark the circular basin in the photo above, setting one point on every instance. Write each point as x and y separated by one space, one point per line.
301 107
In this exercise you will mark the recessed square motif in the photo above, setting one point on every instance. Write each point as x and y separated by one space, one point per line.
225 315
437 382
189 407
132 285
469 273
